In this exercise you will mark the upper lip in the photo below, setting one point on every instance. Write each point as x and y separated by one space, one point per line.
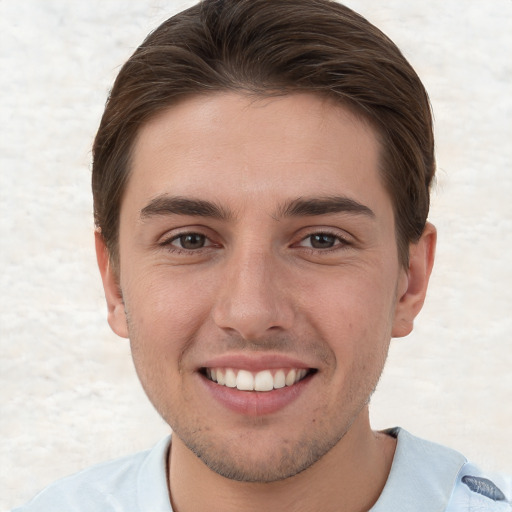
255 362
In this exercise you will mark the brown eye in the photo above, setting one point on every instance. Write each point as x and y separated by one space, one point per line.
190 241
322 241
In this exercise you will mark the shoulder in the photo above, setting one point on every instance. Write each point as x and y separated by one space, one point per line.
476 489
107 487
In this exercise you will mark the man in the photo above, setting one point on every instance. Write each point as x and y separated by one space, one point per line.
261 183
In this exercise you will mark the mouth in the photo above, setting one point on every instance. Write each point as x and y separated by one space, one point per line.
261 381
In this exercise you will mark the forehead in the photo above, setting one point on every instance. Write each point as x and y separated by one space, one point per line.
237 148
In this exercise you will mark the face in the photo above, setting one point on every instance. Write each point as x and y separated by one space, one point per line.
259 280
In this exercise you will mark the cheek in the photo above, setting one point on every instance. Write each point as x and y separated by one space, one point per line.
356 301
168 307
163 319
354 317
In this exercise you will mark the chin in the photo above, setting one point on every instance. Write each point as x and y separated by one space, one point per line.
285 458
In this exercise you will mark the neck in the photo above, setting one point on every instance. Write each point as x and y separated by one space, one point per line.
350 477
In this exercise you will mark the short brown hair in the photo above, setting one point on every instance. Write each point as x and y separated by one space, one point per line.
265 48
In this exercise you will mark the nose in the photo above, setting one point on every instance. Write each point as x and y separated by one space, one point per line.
253 299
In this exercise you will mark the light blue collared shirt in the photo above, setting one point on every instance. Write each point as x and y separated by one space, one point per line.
424 477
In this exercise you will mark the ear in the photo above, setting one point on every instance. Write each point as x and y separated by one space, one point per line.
415 282
115 304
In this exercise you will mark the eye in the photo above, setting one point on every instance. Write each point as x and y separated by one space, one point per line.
322 241
189 241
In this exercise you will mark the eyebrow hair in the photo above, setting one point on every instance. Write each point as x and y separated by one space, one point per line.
176 205
301 207
322 206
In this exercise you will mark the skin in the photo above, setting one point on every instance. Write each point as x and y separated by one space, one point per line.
259 278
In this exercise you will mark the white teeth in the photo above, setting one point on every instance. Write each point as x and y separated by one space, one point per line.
244 381
261 381
279 379
290 377
230 378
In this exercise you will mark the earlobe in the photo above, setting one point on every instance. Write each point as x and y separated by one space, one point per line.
410 301
113 295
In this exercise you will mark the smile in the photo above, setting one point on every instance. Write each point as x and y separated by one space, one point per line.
265 380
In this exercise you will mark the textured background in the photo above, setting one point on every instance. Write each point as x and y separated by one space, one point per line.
69 395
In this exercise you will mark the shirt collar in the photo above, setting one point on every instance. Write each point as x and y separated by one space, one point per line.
422 475
152 488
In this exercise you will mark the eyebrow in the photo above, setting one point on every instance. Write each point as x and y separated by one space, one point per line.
300 207
307 207
176 205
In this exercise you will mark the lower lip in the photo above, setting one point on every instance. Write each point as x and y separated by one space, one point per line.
256 403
